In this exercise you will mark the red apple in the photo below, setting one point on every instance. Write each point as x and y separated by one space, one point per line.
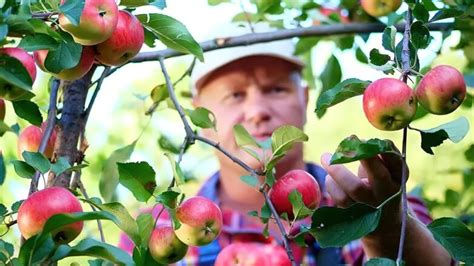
22 56
30 139
165 247
98 21
378 8
298 180
2 109
276 254
389 104
201 221
84 65
41 205
125 42
12 92
242 254
441 90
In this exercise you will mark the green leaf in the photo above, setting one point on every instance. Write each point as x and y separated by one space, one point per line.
93 248
133 3
3 210
420 35
38 247
15 81
455 237
23 169
328 223
283 139
216 2
37 160
168 198
159 93
299 208
72 9
446 13
331 74
468 154
166 144
451 198
109 177
60 166
39 41
6 249
429 5
145 224
420 13
4 128
455 131
378 59
177 172
3 169
381 262
171 33
16 205
29 111
250 180
270 177
305 44
243 137
202 117
123 220
139 178
66 55
353 149
360 56
341 92
388 38
265 213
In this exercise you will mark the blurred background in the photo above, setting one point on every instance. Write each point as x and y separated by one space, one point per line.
445 179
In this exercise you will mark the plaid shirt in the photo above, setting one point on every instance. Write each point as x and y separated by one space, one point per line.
236 228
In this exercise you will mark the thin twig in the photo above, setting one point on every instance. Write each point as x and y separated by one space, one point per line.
289 251
405 72
252 38
247 17
84 192
226 153
51 122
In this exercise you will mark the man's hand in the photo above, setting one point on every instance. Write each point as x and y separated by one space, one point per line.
378 178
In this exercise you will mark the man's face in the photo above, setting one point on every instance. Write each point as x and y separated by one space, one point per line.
261 93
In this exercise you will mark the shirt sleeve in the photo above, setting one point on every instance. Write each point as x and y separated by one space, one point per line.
353 253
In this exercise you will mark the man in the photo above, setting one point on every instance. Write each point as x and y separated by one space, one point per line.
260 87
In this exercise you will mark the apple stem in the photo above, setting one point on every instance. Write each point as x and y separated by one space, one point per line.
406 69
284 235
51 121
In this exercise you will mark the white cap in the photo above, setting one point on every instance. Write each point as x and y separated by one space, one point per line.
282 49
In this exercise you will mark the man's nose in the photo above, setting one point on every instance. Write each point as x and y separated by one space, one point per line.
257 107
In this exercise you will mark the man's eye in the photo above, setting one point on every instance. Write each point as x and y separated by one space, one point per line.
278 89
237 94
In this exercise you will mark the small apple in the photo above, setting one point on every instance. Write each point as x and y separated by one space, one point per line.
201 221
30 139
301 181
9 91
379 8
84 65
277 255
441 90
165 247
98 21
2 109
389 104
243 254
41 205
25 58
125 42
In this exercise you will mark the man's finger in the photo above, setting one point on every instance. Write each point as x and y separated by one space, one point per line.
379 177
347 181
339 197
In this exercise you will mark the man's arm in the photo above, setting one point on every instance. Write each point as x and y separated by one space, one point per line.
378 179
